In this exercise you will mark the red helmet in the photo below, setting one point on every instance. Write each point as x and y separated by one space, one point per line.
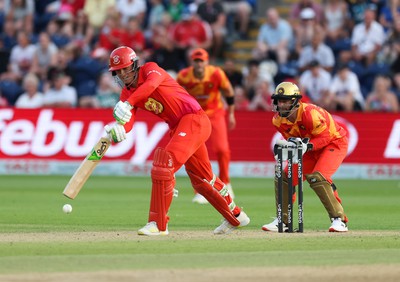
122 57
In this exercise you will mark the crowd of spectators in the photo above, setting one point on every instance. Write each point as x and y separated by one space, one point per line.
54 53
343 54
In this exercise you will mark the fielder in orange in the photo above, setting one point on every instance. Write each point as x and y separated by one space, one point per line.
323 153
150 88
208 84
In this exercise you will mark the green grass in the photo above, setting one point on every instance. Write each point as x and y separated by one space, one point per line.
118 206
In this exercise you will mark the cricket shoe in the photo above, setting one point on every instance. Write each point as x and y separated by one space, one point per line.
151 229
199 199
226 227
338 225
273 226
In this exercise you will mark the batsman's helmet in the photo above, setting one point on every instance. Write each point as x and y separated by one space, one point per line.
286 91
123 57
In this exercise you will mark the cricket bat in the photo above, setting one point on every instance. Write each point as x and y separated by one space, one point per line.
86 168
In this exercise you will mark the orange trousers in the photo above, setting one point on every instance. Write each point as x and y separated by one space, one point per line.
326 161
220 144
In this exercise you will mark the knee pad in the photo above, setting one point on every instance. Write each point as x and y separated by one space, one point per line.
324 191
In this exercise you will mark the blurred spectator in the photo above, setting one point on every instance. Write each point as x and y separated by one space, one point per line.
396 85
274 38
44 12
367 39
157 9
158 32
133 36
318 51
84 71
82 31
212 12
237 11
297 8
381 99
131 8
345 91
315 83
304 32
175 9
357 8
234 75
241 101
32 97
62 60
21 57
389 13
167 56
97 11
190 33
336 20
253 76
44 56
21 13
60 94
391 49
57 35
110 33
262 98
107 93
9 34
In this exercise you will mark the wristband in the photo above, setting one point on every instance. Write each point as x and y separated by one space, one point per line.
230 100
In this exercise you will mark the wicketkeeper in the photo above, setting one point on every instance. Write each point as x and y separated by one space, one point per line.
324 144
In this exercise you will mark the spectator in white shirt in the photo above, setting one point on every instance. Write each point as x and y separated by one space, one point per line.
315 83
318 51
131 8
32 97
345 91
21 56
60 94
367 39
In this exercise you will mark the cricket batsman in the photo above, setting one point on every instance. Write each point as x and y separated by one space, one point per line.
150 88
325 151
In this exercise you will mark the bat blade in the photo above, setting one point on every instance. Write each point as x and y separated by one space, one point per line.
86 168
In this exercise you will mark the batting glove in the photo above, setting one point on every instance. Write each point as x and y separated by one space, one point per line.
116 132
122 112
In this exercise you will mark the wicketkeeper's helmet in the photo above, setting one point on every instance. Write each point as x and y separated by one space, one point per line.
286 91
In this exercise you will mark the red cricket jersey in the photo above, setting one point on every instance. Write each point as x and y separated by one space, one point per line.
158 93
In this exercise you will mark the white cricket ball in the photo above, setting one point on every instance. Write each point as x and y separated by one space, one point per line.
67 208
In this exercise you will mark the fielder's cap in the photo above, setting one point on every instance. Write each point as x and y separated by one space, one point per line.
199 54
307 14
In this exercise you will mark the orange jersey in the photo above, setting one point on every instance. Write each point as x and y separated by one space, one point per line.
207 90
312 122
158 93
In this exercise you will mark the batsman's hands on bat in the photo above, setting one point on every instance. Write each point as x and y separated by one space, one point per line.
116 132
122 112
